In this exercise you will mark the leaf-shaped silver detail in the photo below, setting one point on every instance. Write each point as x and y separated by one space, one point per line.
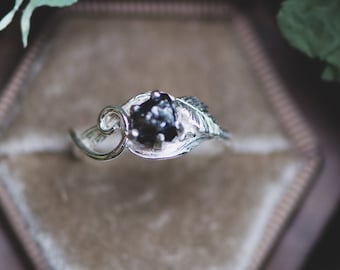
201 118
195 102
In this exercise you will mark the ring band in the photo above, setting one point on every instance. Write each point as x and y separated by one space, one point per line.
152 125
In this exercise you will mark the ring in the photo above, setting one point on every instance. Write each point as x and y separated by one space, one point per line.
153 125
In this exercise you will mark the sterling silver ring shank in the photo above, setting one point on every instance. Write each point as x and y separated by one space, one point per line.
153 125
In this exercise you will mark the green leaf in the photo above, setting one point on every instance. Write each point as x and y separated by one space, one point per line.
331 73
7 19
313 27
31 6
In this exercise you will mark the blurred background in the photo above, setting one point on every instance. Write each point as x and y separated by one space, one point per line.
311 240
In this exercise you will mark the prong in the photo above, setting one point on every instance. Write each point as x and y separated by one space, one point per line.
160 137
135 108
156 94
134 133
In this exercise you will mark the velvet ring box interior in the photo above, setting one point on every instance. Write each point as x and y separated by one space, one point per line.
218 207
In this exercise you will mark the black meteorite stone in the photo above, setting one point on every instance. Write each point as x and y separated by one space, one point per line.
154 116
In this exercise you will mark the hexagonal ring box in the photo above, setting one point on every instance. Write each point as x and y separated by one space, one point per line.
215 208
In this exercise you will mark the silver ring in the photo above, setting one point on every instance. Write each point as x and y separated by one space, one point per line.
152 125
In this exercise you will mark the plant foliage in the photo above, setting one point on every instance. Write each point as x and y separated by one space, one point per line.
313 27
27 13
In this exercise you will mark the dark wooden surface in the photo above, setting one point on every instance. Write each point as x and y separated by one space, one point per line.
318 102
305 241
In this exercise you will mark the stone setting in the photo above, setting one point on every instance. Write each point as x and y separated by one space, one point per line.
154 121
